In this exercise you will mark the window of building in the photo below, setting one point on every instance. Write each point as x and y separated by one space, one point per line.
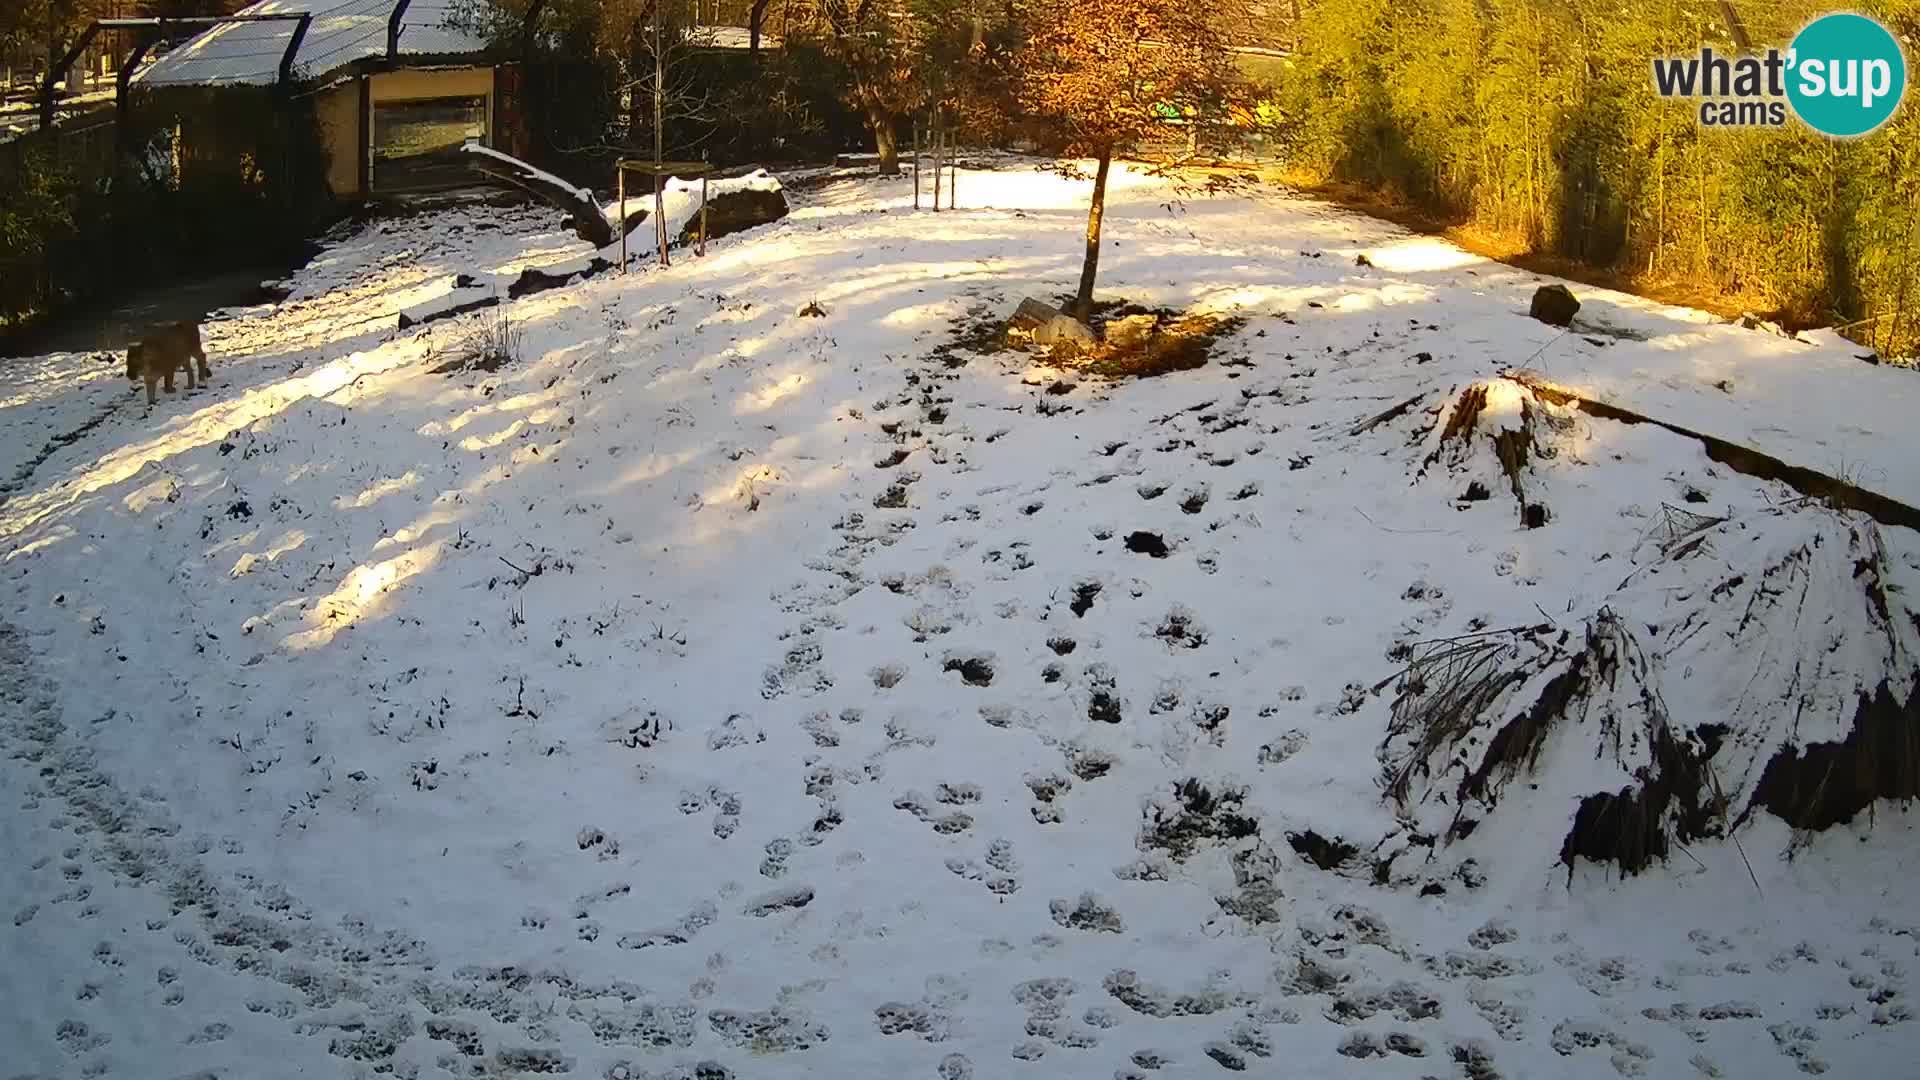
416 144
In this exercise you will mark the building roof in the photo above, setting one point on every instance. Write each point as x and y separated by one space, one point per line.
342 32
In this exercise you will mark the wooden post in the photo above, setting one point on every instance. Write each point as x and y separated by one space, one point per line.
364 85
953 180
701 248
916 163
660 215
620 168
938 133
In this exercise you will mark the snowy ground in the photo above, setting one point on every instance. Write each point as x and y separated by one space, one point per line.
723 692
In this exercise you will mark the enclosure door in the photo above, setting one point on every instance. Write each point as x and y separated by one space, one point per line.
416 144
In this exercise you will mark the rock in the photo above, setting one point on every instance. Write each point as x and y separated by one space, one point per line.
1064 332
1031 315
736 211
1132 331
1554 305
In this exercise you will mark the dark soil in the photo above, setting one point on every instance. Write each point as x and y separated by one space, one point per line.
1320 851
1203 815
974 670
1083 597
1146 543
1181 343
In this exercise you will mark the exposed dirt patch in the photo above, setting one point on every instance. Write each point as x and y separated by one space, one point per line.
1083 597
1197 814
1177 343
1179 629
974 670
1090 913
1146 543
1327 854
980 332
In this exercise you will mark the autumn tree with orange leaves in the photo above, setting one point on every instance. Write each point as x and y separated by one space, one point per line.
873 43
1110 73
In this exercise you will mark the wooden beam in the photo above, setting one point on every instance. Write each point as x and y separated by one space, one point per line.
393 28
169 24
58 72
685 169
121 99
363 150
293 49
1741 459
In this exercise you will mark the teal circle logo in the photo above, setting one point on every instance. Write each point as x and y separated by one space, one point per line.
1846 75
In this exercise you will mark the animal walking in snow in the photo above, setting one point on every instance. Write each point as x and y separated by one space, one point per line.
164 349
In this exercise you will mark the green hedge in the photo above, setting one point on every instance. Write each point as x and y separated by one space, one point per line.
1536 122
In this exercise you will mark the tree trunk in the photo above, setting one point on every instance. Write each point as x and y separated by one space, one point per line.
1083 303
659 93
756 20
659 138
883 142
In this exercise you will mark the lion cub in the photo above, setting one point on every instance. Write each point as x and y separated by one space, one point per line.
164 349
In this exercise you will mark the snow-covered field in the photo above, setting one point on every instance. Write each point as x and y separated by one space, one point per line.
719 691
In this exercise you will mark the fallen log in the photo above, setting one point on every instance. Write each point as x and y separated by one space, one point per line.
409 321
1394 413
533 281
1741 459
530 281
584 214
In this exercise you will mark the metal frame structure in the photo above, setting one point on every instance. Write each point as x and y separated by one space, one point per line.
660 170
945 159
393 28
58 72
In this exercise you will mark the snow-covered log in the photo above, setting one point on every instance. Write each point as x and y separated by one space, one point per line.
589 219
733 204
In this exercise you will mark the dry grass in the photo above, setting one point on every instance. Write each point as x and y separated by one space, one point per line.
1181 345
489 346
1181 341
